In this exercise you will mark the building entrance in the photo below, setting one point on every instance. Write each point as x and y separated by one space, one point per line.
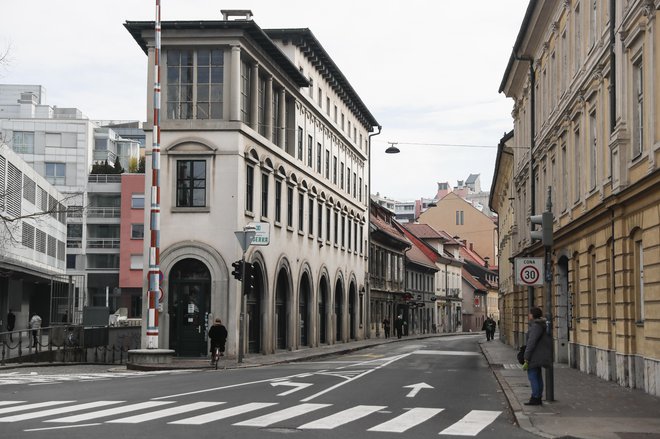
190 300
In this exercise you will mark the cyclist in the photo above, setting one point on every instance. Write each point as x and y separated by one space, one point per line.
218 336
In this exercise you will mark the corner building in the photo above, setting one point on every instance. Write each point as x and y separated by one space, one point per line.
583 77
258 126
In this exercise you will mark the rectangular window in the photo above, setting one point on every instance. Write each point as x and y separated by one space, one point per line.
262 106
56 173
300 143
310 150
310 218
320 97
319 226
342 121
71 261
328 219
301 211
459 218
27 235
264 195
336 228
343 231
348 180
335 114
191 183
246 93
593 150
137 231
577 146
289 206
350 234
639 280
334 170
577 31
29 189
180 83
638 108
278 201
341 176
319 157
137 201
354 184
327 106
23 142
360 189
137 262
276 116
249 188
210 71
327 164
564 180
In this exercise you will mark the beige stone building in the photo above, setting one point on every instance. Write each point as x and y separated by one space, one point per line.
258 126
583 78
458 217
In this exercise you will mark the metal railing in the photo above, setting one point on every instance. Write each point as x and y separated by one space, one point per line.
103 243
65 344
104 178
103 212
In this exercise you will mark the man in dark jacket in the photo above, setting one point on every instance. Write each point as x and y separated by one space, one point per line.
11 323
538 354
218 336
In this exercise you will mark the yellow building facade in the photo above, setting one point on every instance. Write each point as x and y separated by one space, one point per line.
584 80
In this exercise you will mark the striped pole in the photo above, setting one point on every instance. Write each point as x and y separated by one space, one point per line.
154 248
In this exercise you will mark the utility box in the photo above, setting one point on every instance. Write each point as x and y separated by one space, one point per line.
96 315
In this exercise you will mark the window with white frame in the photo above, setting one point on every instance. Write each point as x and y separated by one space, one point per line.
249 188
56 173
137 262
593 150
137 231
638 108
23 142
246 93
278 201
576 173
137 201
265 180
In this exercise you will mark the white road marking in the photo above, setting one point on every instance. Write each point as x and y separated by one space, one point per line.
472 423
343 417
296 386
407 420
329 389
110 412
57 411
164 413
416 388
222 414
63 426
36 405
11 402
282 415
457 353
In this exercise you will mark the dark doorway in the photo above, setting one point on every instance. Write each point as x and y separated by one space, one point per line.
281 305
253 304
190 300
323 300
351 311
304 300
339 293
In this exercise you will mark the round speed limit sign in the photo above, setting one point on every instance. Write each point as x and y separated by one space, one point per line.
529 271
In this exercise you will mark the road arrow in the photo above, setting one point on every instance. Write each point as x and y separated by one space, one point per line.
298 386
416 388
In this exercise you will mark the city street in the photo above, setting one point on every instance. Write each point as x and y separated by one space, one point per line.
423 388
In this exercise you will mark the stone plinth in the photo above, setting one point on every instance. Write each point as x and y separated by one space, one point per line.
140 359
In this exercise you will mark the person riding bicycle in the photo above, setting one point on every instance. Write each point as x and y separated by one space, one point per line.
218 336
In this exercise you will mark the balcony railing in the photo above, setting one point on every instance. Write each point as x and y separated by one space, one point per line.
104 178
103 243
103 212
74 243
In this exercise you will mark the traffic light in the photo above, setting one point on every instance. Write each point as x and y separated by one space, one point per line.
238 270
545 234
249 278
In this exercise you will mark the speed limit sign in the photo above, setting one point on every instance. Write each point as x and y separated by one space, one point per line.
529 271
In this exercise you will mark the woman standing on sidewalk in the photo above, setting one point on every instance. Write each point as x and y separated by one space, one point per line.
538 354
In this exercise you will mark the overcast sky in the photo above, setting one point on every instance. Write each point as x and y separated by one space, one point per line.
428 70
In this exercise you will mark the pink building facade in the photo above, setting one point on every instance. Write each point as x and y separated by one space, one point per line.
131 259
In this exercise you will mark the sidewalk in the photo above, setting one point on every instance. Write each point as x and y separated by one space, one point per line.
585 406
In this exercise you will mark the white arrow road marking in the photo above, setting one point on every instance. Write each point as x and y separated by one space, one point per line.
298 386
472 423
416 388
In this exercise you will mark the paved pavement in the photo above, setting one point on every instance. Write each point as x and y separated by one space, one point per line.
585 406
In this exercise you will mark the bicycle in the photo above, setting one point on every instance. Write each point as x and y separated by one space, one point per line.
216 357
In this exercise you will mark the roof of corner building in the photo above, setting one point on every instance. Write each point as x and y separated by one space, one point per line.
313 50
248 26
424 231
472 280
416 255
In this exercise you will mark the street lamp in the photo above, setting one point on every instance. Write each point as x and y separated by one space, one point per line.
392 149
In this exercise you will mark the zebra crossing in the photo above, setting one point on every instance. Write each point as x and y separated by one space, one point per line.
73 413
34 378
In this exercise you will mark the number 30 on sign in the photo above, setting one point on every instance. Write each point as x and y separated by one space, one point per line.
529 271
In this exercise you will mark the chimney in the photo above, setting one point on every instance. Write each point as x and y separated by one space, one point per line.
471 246
243 14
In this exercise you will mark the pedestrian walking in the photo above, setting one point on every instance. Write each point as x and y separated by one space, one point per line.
218 336
489 326
538 354
398 326
35 326
386 327
11 323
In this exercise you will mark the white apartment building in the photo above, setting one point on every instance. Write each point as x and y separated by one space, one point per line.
61 144
258 126
32 244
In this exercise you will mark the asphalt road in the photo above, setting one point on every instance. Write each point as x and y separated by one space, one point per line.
418 388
